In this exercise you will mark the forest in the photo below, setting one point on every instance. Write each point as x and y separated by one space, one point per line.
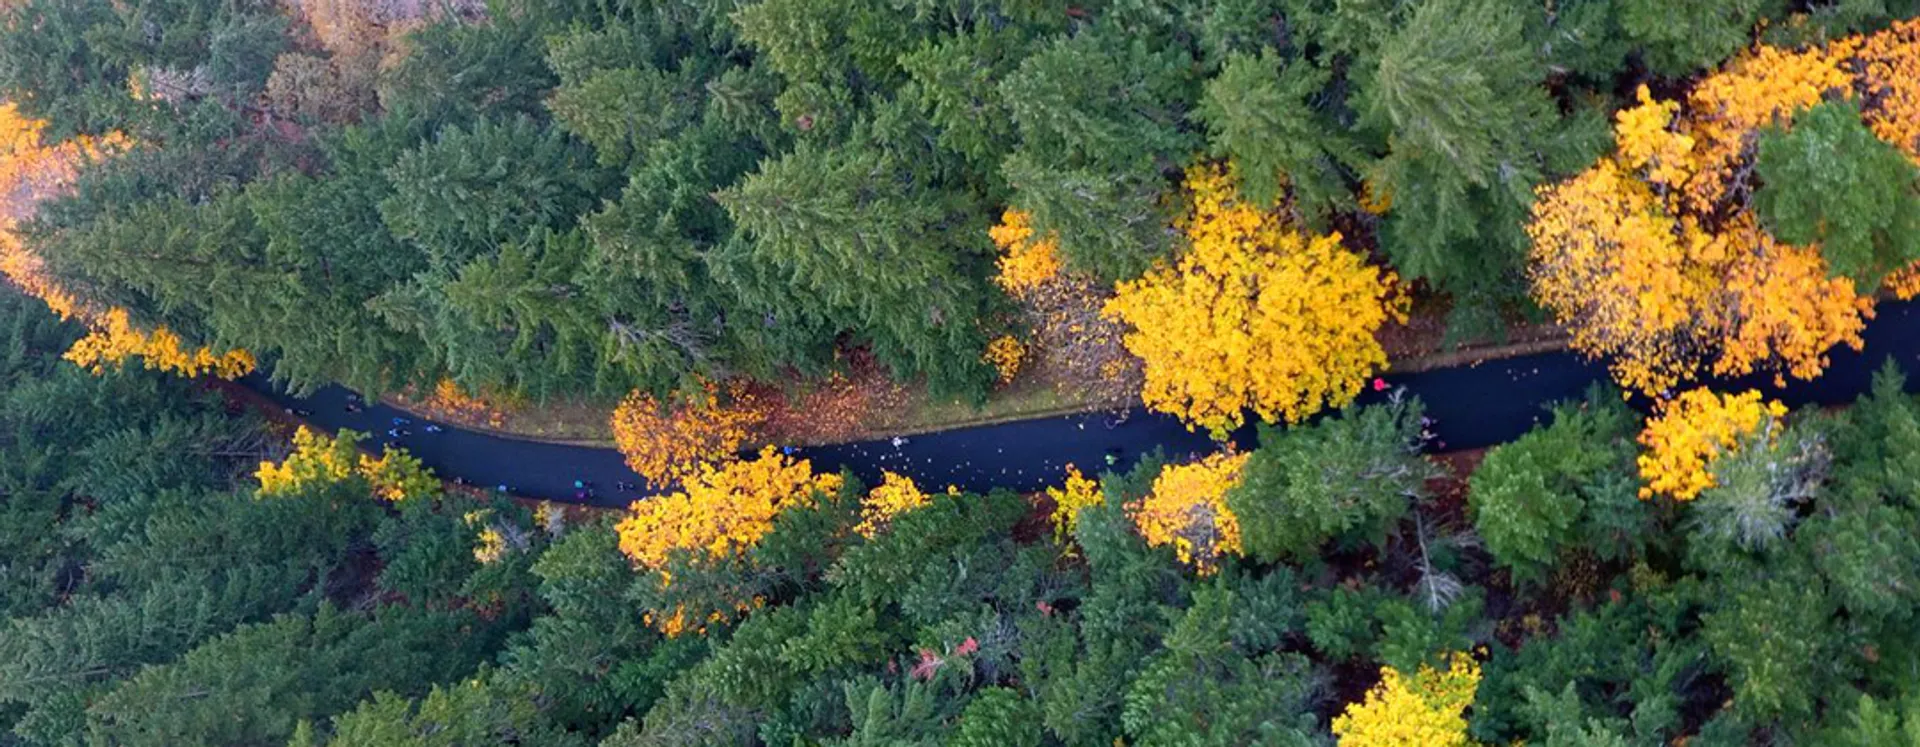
703 214
180 571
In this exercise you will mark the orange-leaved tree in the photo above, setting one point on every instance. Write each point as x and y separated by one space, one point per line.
1425 710
895 495
666 442
1656 255
1187 509
1254 314
1693 431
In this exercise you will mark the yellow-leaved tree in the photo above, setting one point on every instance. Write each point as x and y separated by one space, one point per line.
720 510
895 495
665 443
1187 510
319 460
1695 430
1425 710
1005 354
113 340
1253 314
1069 500
1656 258
1026 262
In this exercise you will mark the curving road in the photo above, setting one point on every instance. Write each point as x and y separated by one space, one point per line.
1475 406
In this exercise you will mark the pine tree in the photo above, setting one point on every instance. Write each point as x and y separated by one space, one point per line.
889 259
1830 181
1259 113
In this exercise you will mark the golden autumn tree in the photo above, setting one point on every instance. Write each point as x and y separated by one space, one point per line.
719 514
1253 314
1005 354
1655 256
320 460
1027 262
1069 500
1425 710
113 340
1187 510
720 510
667 442
895 495
1693 431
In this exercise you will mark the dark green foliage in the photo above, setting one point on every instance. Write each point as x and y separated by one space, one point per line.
252 686
1457 94
1677 37
1830 181
1630 660
1342 624
1202 688
1099 117
1349 477
48 66
995 717
1773 636
471 189
467 713
865 247
460 72
958 81
624 110
1259 115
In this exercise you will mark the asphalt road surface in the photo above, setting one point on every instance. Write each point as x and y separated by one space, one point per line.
1473 406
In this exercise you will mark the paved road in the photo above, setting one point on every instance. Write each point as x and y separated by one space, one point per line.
1474 406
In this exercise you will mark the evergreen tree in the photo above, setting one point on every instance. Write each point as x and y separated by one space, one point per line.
868 251
1100 118
1259 112
1829 181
